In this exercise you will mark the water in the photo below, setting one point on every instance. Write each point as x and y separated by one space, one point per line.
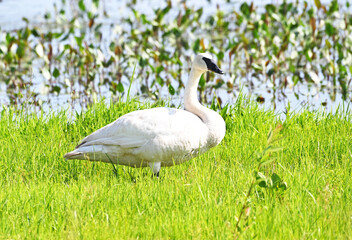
12 12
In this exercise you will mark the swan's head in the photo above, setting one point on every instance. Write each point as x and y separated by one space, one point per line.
204 62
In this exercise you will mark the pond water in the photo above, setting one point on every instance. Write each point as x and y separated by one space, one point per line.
12 12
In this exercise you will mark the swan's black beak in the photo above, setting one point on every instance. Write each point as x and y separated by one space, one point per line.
212 66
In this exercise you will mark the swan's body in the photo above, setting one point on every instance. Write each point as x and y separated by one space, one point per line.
159 136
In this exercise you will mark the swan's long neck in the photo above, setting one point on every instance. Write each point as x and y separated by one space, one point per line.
209 117
191 98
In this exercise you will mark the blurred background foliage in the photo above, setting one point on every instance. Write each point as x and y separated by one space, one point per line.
77 51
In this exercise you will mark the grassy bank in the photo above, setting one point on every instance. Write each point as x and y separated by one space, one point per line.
44 196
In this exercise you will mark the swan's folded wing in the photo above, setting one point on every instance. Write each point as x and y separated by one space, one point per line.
125 132
135 129
122 141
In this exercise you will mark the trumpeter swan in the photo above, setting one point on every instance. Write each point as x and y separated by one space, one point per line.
160 136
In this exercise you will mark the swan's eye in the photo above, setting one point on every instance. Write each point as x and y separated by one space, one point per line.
212 66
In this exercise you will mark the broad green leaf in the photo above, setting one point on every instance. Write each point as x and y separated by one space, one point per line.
202 81
171 89
317 3
245 9
56 89
81 5
275 179
334 6
120 87
330 29
160 81
21 48
56 73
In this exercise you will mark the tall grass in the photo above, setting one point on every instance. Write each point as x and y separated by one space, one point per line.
42 196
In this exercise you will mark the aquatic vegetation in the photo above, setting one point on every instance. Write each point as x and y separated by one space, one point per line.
79 51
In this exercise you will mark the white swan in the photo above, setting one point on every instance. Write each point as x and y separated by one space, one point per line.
159 136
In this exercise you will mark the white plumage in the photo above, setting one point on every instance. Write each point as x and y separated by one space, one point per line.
159 136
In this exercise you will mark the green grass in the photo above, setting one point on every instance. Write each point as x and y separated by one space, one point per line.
42 196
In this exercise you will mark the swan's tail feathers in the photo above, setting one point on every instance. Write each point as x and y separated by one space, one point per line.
74 155
91 153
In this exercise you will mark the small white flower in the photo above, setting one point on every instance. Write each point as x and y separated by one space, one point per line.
68 82
39 50
3 48
154 42
44 89
100 56
277 41
294 54
310 53
314 77
262 45
117 29
336 14
77 24
342 24
327 55
290 82
291 20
